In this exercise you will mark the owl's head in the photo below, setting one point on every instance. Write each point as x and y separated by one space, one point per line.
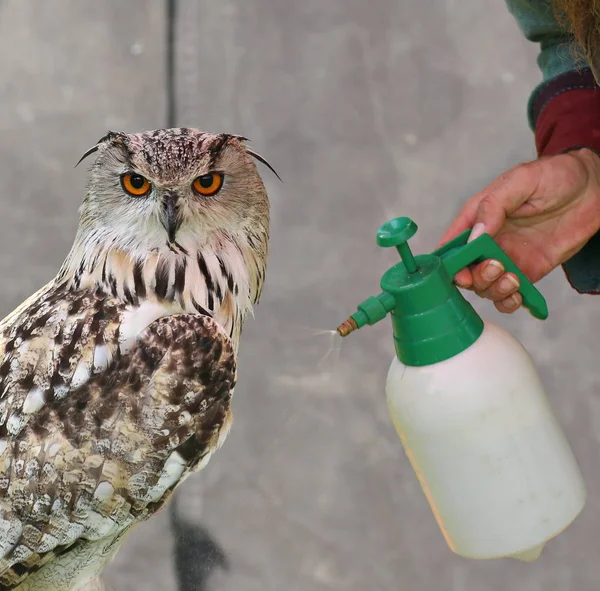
167 188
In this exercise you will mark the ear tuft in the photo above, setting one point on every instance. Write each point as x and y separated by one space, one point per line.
109 137
260 158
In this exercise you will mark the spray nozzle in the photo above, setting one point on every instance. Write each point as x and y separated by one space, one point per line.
431 318
396 232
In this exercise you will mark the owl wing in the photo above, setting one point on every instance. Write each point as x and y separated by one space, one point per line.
93 438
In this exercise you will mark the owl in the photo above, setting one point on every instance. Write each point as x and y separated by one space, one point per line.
116 377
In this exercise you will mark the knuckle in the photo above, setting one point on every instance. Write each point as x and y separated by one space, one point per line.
489 199
489 203
479 283
528 173
494 295
528 166
486 294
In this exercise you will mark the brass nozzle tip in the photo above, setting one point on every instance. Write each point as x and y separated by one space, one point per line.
347 327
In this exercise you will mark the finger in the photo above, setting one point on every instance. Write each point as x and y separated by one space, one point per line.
501 289
464 278
510 304
485 274
463 220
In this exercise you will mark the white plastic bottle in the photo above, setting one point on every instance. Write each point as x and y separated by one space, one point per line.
493 462
469 407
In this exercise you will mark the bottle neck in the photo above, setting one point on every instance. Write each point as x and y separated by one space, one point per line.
436 335
431 320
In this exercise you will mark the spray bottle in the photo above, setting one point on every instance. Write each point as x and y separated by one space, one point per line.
468 405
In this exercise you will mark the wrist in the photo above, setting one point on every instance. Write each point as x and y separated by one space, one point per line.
590 159
582 270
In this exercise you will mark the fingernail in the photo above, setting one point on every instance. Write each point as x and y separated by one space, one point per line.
516 302
493 270
477 231
507 284
509 305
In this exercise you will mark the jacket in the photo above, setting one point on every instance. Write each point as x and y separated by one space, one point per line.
563 111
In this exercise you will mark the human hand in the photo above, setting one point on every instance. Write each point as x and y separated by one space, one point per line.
541 213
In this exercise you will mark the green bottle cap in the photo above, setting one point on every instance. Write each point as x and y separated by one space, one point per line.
431 319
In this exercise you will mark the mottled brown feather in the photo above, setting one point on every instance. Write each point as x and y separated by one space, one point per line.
87 466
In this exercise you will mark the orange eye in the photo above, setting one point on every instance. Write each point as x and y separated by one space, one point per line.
135 184
208 184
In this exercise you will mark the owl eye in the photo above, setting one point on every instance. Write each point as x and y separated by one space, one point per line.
135 184
208 184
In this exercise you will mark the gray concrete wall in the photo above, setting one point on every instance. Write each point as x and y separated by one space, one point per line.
368 110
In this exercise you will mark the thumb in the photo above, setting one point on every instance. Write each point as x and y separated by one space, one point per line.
503 197
463 221
486 211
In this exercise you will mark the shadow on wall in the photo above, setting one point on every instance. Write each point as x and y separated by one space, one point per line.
196 554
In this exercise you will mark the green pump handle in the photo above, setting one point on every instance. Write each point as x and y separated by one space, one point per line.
459 253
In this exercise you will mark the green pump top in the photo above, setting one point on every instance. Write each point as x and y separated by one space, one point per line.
431 319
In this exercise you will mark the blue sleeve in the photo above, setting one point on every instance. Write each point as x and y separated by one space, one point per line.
557 55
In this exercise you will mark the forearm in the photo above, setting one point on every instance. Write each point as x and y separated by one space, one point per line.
563 112
567 116
564 109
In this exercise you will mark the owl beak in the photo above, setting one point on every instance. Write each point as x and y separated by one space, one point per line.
170 218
